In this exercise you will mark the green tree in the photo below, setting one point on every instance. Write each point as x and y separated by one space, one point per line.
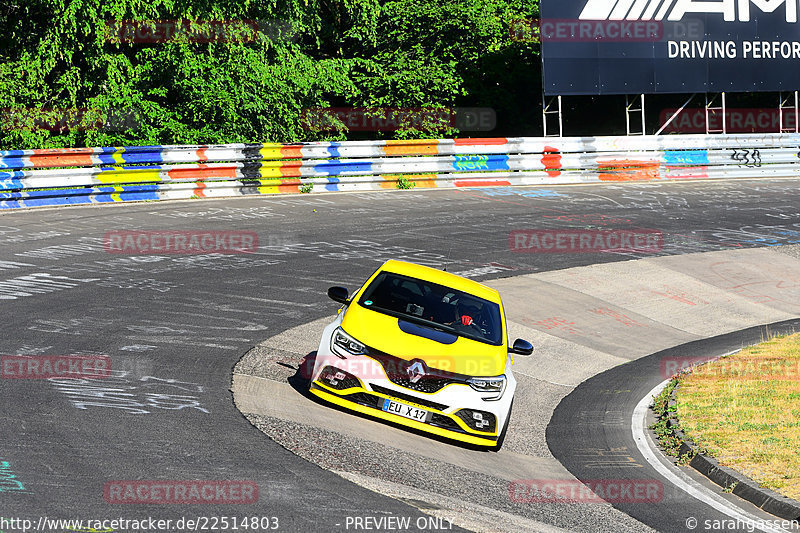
64 54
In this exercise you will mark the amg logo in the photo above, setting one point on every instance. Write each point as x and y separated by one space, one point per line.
732 10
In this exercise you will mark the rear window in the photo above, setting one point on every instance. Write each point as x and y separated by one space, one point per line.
435 306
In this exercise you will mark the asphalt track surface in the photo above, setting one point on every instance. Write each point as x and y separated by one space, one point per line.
190 319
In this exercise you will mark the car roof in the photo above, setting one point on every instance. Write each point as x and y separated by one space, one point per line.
441 277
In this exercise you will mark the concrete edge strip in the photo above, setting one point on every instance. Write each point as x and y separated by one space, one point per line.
648 449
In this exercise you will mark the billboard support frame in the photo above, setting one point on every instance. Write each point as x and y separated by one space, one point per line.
709 108
546 110
630 110
782 104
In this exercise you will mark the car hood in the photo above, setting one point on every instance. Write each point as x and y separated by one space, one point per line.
410 341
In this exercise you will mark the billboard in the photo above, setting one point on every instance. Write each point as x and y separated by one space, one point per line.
593 47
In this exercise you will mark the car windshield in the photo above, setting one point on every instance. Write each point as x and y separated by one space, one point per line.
435 306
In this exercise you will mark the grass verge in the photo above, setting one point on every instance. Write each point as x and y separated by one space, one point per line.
744 410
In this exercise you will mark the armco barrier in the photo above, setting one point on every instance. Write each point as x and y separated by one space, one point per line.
31 178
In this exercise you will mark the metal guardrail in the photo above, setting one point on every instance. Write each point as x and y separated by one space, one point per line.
31 178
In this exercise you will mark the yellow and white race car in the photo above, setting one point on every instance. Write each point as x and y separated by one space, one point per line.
423 348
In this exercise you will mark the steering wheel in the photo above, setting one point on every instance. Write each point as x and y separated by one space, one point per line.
469 322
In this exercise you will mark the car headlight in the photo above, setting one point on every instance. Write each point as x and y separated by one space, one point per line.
495 385
343 344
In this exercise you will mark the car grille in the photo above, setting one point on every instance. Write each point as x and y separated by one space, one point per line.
438 420
423 385
362 398
445 422
397 371
408 398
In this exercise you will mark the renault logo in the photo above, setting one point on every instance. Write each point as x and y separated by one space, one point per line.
416 371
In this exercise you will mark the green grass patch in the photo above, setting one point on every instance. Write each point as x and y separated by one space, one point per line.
668 442
743 410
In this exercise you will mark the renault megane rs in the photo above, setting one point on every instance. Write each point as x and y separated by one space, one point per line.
423 348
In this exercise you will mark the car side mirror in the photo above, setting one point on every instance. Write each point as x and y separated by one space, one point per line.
522 347
338 294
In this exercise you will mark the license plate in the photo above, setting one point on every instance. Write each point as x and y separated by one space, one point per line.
390 406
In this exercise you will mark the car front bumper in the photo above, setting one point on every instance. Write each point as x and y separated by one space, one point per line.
451 411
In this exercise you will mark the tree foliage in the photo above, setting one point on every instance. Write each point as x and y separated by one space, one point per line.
58 55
